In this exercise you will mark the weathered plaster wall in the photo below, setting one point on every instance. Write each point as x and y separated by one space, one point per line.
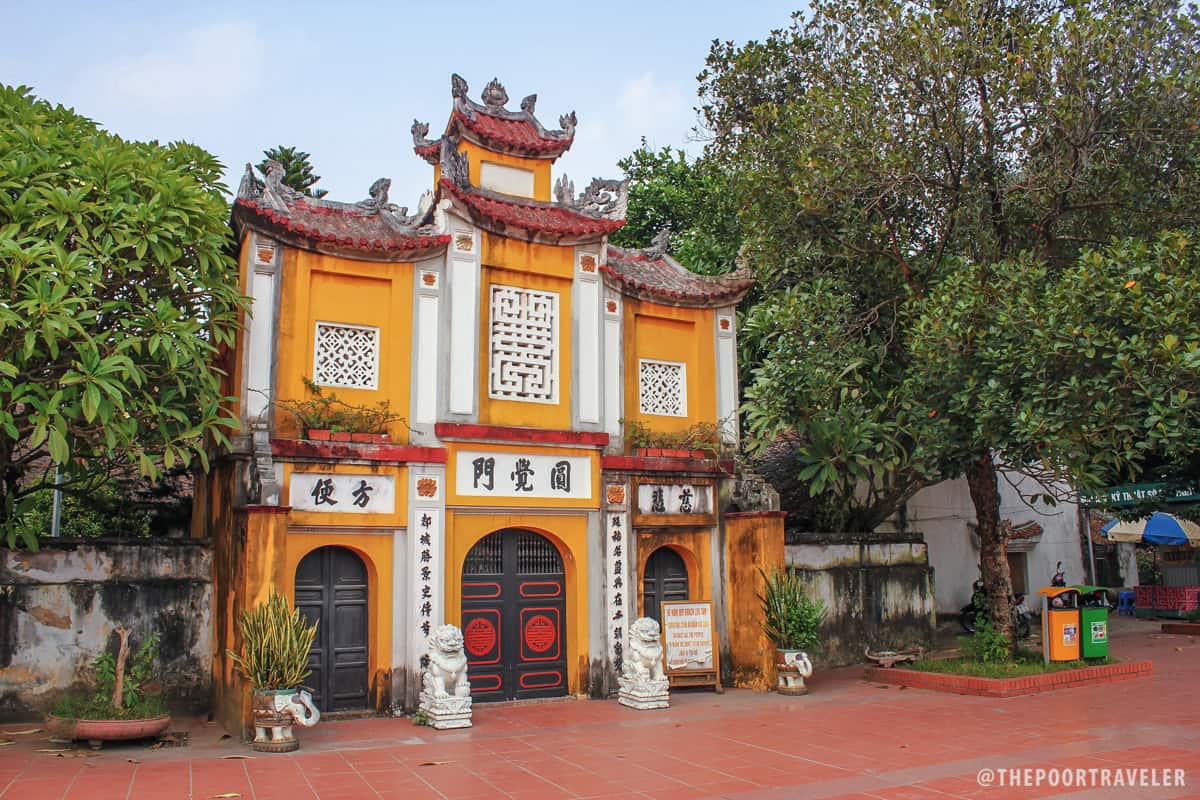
752 540
59 606
877 590
945 514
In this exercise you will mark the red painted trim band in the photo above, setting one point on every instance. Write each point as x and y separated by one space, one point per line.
466 430
400 453
661 464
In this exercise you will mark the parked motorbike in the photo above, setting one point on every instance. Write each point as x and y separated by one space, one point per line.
1022 619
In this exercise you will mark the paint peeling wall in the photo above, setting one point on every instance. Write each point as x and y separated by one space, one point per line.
877 590
59 606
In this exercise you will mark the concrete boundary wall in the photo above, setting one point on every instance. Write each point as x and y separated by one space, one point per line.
60 605
877 589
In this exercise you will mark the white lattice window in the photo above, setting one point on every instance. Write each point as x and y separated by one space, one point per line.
524 345
662 387
346 355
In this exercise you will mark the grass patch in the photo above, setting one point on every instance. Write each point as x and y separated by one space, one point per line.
99 707
1025 664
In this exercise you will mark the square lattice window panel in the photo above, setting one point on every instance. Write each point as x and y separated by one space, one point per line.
662 387
523 361
346 356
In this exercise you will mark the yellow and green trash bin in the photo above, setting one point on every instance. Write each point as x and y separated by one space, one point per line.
1060 623
1093 621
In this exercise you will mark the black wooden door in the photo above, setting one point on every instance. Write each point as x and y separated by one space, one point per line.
665 578
331 588
513 615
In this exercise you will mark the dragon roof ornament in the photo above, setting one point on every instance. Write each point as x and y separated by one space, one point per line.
495 98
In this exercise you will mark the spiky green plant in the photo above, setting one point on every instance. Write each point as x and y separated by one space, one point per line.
790 617
275 644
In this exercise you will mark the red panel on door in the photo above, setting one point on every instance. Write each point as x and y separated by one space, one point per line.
540 629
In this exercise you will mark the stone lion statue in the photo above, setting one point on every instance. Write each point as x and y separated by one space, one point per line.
644 655
446 675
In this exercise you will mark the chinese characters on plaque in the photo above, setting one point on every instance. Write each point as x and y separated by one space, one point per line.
494 474
354 494
661 498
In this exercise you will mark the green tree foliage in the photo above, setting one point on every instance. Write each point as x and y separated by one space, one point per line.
687 198
889 157
116 292
297 169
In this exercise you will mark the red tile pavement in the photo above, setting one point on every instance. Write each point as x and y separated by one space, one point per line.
848 738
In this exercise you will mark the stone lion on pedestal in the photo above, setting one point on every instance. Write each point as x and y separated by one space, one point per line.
446 675
644 655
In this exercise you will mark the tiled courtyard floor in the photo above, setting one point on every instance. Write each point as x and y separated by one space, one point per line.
848 738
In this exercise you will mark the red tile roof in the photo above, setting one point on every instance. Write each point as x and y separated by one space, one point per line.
520 136
661 278
323 225
538 220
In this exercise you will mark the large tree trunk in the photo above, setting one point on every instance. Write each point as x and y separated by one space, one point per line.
993 544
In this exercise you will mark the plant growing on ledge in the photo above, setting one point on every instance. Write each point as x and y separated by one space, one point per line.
325 416
702 440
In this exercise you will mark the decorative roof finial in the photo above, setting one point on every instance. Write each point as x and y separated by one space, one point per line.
458 86
605 198
528 103
567 122
660 244
379 196
248 188
276 194
564 190
454 165
494 94
420 133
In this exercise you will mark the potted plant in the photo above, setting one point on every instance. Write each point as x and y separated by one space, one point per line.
790 620
275 644
124 705
325 417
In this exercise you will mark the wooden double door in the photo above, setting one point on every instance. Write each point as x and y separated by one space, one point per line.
514 617
331 589
665 577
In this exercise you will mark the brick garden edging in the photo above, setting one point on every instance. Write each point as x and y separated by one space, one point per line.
1184 628
1008 687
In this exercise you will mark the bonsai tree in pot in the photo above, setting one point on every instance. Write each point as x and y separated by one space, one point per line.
125 704
276 640
790 620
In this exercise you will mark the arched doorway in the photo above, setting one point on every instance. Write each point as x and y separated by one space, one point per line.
514 617
664 578
331 588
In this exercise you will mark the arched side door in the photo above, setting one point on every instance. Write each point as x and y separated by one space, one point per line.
331 588
664 578
514 617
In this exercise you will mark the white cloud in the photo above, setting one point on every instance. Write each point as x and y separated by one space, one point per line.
204 69
656 110
612 129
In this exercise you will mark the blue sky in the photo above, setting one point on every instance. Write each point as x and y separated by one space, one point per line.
344 81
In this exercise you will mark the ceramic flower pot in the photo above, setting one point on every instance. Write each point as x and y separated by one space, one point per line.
99 731
791 668
275 712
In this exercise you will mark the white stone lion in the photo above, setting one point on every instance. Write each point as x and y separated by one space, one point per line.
644 655
446 675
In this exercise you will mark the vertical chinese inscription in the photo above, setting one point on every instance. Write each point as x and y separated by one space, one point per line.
615 539
425 567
